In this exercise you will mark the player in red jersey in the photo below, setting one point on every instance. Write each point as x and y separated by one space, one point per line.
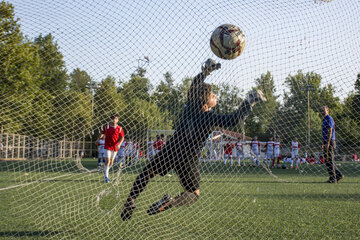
158 145
228 152
114 136
255 151
277 155
239 151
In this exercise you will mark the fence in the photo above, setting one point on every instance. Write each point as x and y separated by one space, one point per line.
21 147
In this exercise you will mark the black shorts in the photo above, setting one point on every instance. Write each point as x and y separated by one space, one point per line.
188 169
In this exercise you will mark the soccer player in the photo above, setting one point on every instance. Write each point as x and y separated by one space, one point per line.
329 145
158 145
114 136
121 154
195 125
255 151
239 151
295 146
101 152
269 146
228 152
277 147
128 154
151 150
135 152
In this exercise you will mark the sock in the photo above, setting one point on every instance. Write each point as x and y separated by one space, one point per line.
106 171
253 161
231 161
99 160
268 162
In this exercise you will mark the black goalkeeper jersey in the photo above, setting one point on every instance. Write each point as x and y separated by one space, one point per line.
195 127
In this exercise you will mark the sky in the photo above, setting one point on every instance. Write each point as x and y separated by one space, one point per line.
109 37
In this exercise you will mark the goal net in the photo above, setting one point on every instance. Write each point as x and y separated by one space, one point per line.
265 172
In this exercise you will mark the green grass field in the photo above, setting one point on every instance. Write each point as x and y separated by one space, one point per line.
55 199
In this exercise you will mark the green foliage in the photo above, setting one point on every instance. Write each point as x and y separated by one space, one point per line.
168 97
107 102
52 66
72 112
19 68
138 86
304 98
228 98
80 80
262 121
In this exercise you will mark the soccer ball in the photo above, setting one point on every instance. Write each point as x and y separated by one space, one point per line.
227 41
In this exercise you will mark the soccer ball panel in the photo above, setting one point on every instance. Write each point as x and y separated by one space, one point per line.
227 41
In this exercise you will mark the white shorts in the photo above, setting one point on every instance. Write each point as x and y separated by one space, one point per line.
295 153
110 154
277 154
239 153
101 153
255 153
269 156
227 156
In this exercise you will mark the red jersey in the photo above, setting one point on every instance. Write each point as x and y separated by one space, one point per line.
112 136
228 148
239 146
159 144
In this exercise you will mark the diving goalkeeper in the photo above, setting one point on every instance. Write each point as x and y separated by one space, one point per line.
196 123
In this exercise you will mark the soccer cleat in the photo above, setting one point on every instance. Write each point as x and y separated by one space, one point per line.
129 207
255 96
339 178
209 66
106 179
330 181
161 205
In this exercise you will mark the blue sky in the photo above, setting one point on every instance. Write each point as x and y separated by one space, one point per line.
107 37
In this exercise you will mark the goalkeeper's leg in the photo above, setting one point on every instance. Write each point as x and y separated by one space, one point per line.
167 202
139 185
189 175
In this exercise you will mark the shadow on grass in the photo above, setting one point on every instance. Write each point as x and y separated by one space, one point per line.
45 233
313 196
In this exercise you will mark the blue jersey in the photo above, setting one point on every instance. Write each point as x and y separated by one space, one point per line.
328 122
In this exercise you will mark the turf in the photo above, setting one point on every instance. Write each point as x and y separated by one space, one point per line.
59 200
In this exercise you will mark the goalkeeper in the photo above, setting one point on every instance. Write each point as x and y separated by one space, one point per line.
196 123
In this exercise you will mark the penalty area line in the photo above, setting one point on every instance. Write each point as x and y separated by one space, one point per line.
37 181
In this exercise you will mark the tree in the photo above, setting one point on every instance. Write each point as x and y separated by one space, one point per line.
356 99
52 66
19 73
80 81
228 98
19 68
107 101
296 107
168 97
71 115
262 120
138 86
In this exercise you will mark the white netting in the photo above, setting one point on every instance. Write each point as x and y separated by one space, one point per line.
67 66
